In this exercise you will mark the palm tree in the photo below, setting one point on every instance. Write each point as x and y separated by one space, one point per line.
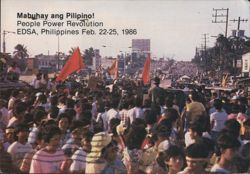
20 51
20 55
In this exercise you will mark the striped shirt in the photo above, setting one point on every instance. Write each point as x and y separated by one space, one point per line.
18 151
43 162
79 161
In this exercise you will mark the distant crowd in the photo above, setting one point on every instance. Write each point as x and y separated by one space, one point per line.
122 128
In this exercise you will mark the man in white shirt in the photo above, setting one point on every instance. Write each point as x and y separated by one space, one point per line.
217 119
20 147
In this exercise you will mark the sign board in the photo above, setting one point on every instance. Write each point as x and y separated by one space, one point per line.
238 64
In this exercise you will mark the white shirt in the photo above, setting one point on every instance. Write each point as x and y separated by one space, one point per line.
217 168
5 116
134 113
219 119
112 113
18 151
189 141
103 117
79 161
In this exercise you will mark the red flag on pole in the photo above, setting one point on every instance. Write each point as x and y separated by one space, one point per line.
113 70
74 63
146 71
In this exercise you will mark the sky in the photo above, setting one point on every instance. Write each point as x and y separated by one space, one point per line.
174 27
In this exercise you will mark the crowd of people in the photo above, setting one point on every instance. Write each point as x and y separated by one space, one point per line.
58 127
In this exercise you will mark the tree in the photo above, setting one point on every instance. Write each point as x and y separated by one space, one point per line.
88 56
20 55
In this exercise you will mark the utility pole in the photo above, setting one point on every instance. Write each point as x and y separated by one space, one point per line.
221 15
237 43
239 20
4 43
205 50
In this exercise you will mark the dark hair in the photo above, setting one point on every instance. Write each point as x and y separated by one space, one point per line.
169 102
88 135
63 115
19 128
50 132
196 127
62 100
54 100
150 117
194 96
114 122
14 93
163 131
225 141
218 104
54 110
172 151
242 108
38 116
135 136
42 98
197 150
19 108
70 103
233 126
209 143
171 114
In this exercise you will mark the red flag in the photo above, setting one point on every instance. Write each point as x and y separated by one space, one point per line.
113 70
146 71
74 63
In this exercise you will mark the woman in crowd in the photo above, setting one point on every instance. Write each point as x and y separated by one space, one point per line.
49 159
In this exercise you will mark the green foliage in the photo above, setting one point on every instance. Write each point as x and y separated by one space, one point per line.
223 55
88 56
20 55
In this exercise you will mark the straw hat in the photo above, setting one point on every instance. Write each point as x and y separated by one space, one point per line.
99 141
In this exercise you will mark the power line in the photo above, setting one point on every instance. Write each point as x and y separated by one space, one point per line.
221 15
239 20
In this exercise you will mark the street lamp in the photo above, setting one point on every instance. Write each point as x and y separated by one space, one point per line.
4 43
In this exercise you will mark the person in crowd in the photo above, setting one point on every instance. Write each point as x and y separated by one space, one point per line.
20 147
14 96
39 142
6 163
13 72
4 119
194 133
63 123
79 157
227 148
170 161
196 159
37 81
50 159
195 109
8 137
113 111
38 116
18 114
62 104
133 157
217 119
103 156
156 92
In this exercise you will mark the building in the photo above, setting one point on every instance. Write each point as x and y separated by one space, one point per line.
97 59
246 64
141 45
47 63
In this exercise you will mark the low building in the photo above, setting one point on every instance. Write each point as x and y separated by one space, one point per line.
246 64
